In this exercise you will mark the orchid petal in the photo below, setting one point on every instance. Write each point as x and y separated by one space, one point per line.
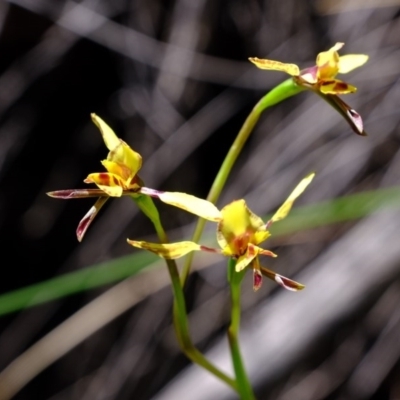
244 260
349 62
124 155
237 222
284 209
202 208
309 75
261 236
330 56
336 86
111 184
268 253
291 69
89 217
328 62
110 138
118 169
287 283
168 251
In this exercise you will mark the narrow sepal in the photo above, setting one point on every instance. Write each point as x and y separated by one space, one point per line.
89 217
349 114
68 194
286 283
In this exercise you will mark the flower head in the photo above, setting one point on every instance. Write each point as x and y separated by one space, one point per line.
239 234
321 78
122 165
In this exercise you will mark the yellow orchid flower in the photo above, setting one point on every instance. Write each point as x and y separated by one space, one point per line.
321 78
122 165
239 233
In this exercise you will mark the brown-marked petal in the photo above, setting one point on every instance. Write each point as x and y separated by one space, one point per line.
291 69
169 251
238 223
244 260
89 217
336 86
112 184
287 283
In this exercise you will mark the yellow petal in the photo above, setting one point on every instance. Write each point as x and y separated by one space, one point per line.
261 236
237 225
351 61
291 69
169 251
110 138
336 47
331 56
117 169
287 205
328 62
187 202
111 184
124 155
336 86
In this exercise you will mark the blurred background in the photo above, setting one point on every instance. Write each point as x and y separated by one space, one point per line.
173 80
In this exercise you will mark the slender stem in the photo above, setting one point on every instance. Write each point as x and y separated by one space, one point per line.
286 89
244 385
180 319
182 330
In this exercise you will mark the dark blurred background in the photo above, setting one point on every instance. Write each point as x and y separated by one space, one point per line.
172 79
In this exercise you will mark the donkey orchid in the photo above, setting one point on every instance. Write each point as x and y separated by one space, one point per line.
321 78
239 233
122 165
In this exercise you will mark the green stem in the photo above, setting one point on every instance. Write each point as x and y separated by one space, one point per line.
180 318
243 382
281 92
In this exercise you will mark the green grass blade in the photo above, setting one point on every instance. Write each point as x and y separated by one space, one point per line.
75 282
